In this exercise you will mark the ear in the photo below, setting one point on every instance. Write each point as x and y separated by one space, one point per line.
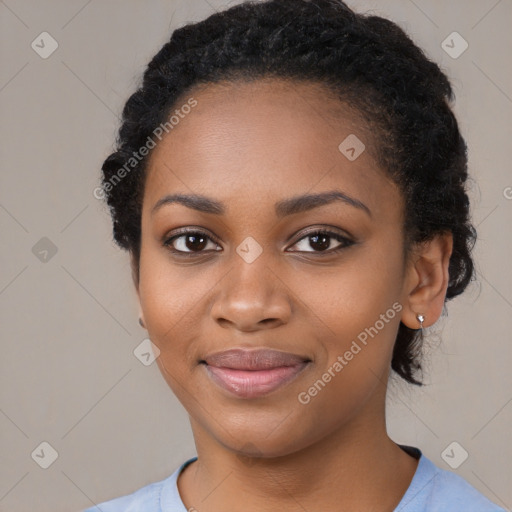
427 281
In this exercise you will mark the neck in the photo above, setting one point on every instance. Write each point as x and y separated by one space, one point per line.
357 467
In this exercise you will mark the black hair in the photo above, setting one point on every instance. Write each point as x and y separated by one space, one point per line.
369 63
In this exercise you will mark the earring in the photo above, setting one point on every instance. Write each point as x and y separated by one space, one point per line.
420 318
141 322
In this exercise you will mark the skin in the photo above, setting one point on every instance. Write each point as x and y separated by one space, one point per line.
250 145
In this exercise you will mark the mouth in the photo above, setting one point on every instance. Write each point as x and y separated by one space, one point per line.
253 373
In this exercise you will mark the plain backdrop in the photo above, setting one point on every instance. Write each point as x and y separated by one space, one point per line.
69 327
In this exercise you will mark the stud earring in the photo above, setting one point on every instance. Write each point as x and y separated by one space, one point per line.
141 322
420 318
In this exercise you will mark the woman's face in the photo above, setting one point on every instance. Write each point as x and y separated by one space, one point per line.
252 275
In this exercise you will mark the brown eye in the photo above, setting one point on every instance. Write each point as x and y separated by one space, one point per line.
322 242
190 242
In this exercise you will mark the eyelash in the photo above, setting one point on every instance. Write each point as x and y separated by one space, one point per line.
346 242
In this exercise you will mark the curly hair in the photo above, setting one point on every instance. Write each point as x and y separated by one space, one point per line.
369 63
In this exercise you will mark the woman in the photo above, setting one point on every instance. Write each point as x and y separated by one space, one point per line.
289 182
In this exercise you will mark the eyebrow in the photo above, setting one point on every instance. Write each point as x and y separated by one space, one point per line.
283 208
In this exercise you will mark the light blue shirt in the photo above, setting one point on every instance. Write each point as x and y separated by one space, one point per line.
431 490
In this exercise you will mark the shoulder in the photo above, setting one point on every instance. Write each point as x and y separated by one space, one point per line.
155 497
436 490
146 498
450 489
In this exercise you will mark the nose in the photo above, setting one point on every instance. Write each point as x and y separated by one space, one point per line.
252 297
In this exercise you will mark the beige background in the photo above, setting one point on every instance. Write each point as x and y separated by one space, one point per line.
69 324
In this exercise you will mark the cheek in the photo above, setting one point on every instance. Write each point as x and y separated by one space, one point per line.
169 306
354 296
362 302
357 309
170 302
360 315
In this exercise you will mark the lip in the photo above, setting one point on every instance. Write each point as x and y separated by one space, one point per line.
253 373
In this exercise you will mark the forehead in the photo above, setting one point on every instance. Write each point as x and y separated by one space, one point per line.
265 139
